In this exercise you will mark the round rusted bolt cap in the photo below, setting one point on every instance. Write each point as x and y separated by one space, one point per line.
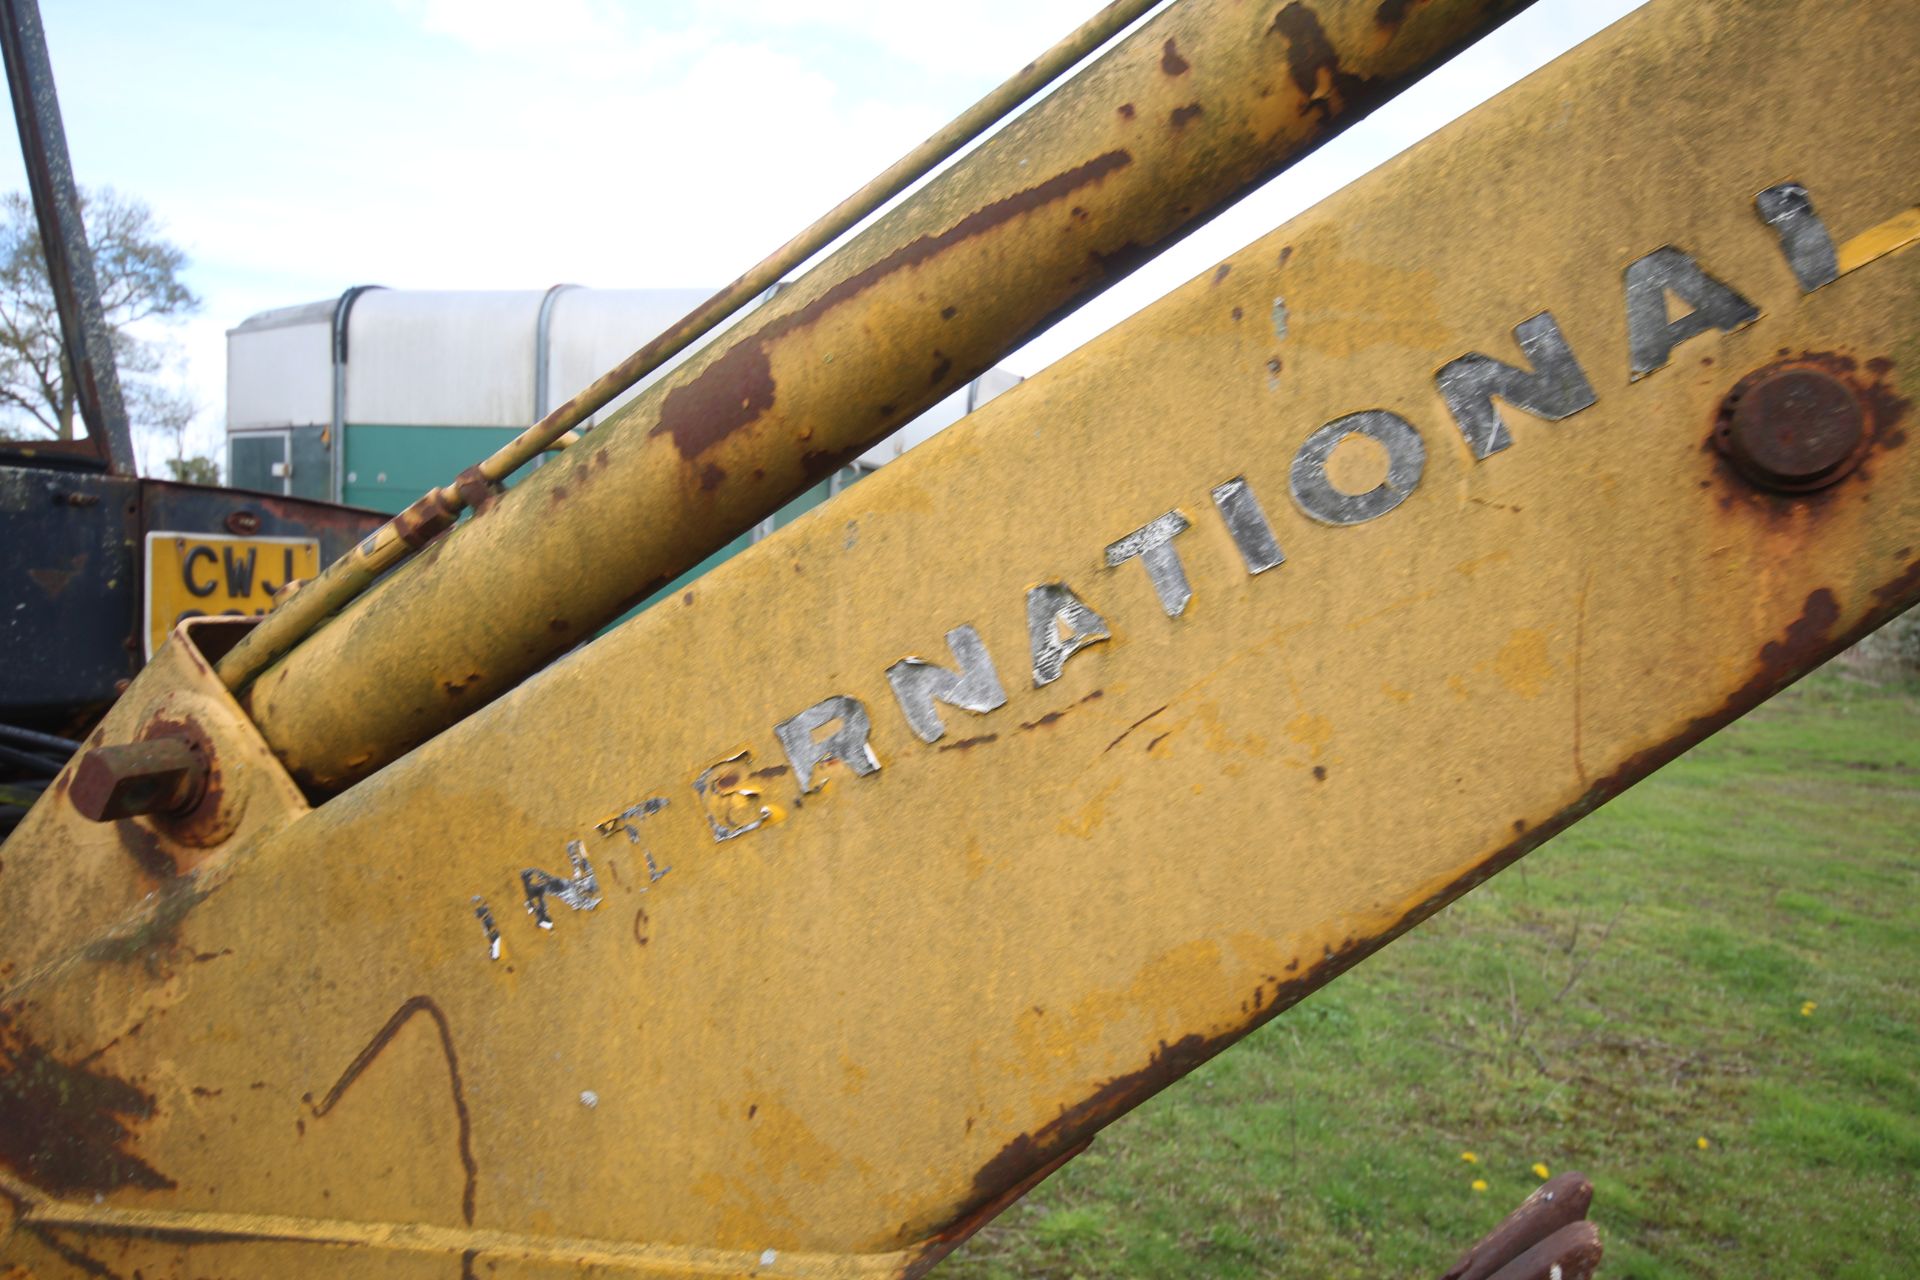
1792 429
157 776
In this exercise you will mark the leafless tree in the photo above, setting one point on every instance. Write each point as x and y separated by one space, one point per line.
139 275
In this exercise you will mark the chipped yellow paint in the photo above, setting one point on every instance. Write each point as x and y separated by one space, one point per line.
828 1047
1896 232
1523 665
1311 731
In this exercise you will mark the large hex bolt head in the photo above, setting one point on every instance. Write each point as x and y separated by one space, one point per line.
162 775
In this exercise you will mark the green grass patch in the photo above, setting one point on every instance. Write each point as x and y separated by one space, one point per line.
1726 953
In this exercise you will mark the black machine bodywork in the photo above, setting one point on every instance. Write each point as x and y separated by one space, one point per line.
74 514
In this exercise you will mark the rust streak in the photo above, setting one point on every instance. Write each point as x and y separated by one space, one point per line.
733 391
1130 728
73 1257
967 743
1807 641
365 1059
1579 653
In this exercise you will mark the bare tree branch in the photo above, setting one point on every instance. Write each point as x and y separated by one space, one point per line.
139 274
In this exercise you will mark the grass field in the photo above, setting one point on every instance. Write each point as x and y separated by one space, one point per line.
1706 997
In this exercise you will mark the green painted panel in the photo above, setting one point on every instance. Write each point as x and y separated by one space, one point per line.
388 467
312 463
250 460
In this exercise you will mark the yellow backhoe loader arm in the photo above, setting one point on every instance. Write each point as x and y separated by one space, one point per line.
797 926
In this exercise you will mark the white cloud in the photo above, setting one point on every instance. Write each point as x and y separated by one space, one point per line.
499 144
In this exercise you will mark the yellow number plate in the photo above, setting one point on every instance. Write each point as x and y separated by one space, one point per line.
191 575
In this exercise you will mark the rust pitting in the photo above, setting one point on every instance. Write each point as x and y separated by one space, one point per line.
965 744
1392 13
1180 117
1170 60
1326 88
738 387
1120 259
820 462
711 477
67 1127
1884 409
1052 717
477 491
1125 110
201 823
455 687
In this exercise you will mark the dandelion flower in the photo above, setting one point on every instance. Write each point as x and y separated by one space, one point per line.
1479 1184
1539 1170
1701 1143
1807 1007
1469 1157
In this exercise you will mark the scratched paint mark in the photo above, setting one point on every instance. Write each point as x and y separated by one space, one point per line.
381 1039
1130 728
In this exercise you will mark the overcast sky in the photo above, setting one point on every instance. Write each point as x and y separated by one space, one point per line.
295 149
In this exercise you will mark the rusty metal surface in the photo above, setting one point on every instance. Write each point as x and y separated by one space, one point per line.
1201 102
71 618
69 594
1551 1208
157 775
594 982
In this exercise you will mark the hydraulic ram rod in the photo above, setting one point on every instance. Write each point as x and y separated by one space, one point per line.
434 512
1199 104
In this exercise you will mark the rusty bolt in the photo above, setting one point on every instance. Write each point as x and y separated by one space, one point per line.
1791 428
243 522
162 775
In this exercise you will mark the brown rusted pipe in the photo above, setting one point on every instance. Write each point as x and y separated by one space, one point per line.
1200 103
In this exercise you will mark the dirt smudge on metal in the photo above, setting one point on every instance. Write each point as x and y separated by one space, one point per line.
68 1128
